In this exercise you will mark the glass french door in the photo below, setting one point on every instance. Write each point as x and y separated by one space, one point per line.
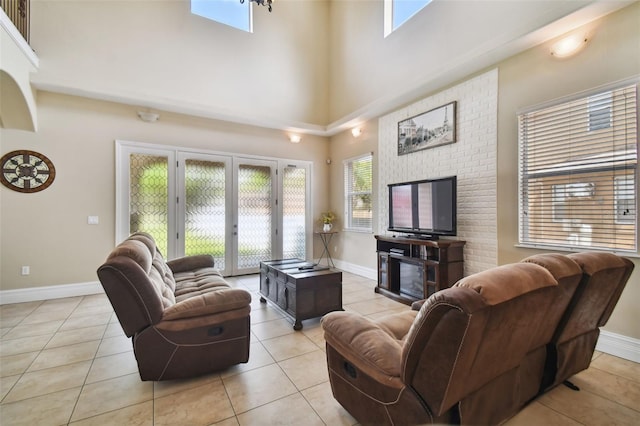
144 196
240 210
294 208
203 213
255 214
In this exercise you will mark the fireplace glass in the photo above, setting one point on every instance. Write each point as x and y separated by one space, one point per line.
412 279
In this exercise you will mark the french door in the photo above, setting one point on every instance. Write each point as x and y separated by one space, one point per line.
203 214
239 209
254 214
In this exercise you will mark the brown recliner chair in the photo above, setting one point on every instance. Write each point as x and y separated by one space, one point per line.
604 277
474 353
184 318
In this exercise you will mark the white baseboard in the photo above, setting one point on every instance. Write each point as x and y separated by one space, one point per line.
372 274
610 343
49 292
619 345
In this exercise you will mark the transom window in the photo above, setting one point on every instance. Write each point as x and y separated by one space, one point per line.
578 172
397 12
228 12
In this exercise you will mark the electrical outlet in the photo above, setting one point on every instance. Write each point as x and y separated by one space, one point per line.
25 270
93 220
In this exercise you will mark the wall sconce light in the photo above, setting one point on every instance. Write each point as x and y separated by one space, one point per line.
295 138
149 117
356 131
569 45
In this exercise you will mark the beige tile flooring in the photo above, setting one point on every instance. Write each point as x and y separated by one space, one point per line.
67 361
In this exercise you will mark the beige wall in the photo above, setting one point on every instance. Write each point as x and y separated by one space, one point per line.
534 77
445 41
308 64
157 53
355 248
48 230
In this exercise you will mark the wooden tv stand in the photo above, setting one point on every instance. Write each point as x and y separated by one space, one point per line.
411 268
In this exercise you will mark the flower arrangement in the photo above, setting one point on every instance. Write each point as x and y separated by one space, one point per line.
328 217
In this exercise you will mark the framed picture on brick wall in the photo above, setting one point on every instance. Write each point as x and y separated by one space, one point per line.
428 130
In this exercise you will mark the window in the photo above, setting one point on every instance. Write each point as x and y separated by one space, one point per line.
358 212
228 12
578 172
397 12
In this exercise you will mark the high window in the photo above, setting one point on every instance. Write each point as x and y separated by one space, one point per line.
578 172
397 12
358 186
228 12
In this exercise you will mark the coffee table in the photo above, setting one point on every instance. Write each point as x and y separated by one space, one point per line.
300 289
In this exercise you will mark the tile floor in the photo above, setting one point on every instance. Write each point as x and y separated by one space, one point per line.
67 361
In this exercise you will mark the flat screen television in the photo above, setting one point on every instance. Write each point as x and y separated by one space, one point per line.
424 208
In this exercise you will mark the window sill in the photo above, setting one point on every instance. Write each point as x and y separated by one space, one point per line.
359 230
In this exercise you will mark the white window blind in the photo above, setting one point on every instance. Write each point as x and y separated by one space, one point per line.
358 177
578 172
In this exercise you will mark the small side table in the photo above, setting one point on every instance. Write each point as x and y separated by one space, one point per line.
325 237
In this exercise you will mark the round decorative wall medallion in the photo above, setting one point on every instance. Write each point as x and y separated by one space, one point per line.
26 171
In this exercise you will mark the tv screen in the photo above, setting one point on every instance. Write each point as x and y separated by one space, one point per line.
402 205
425 208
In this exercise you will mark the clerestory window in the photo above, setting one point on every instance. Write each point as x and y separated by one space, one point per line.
228 12
397 12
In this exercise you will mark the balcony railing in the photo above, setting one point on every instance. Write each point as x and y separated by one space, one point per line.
18 11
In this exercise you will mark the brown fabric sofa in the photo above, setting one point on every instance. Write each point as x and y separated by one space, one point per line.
604 276
183 317
472 354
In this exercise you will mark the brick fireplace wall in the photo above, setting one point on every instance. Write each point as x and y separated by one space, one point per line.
473 159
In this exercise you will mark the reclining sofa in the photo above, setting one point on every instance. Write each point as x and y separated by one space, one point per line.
183 317
477 352
571 349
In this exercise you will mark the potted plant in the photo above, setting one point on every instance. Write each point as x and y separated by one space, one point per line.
327 220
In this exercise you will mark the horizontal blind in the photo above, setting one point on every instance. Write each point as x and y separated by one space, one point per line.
358 193
578 178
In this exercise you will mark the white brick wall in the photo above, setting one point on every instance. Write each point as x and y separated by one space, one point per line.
472 159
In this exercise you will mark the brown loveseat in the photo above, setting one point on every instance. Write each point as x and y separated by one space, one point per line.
183 317
475 353
604 276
